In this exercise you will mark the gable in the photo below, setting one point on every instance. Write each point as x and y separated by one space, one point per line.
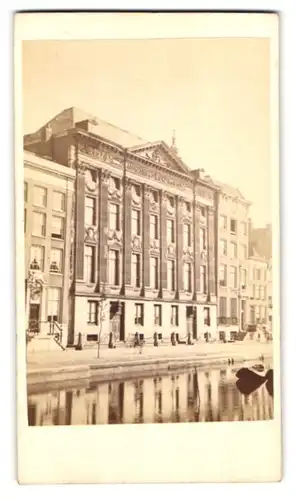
161 154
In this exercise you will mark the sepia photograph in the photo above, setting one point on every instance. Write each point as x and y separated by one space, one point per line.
148 231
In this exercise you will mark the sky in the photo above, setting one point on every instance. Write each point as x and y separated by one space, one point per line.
213 92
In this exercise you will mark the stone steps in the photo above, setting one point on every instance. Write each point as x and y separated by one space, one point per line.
43 343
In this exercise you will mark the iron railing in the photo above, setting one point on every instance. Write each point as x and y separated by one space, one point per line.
224 320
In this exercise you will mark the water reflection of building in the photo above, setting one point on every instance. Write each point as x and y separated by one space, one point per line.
194 396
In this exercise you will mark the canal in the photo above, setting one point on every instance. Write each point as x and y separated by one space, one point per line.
193 395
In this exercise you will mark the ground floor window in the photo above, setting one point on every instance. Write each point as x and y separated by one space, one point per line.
54 303
207 316
157 315
174 316
139 316
93 312
223 307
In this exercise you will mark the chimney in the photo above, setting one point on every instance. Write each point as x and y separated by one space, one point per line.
46 133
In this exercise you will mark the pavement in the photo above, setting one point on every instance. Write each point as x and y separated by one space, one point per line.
54 359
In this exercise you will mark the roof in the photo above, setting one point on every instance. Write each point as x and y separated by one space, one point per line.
68 118
229 190
33 160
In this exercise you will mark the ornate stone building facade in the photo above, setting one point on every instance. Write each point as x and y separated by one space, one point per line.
143 239
48 197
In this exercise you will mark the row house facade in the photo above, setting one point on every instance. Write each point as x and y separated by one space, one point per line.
143 237
233 217
261 286
260 292
48 198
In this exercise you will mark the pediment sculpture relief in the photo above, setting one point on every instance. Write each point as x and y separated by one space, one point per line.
156 156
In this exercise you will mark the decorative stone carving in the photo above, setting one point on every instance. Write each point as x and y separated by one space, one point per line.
105 175
114 188
115 194
136 243
171 250
114 236
154 155
160 156
186 212
154 205
147 192
91 235
154 245
203 255
136 199
128 184
171 178
91 183
81 168
170 205
188 253
100 154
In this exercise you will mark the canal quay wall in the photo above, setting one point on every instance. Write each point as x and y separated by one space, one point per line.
52 371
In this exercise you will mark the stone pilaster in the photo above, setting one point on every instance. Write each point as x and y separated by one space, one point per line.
127 233
80 223
145 237
211 252
66 257
196 242
103 226
179 245
163 242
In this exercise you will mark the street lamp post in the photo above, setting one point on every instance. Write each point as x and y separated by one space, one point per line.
239 300
241 287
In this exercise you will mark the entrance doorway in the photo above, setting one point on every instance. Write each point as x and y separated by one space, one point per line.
117 320
34 318
191 318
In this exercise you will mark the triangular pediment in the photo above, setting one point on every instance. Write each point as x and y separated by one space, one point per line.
161 154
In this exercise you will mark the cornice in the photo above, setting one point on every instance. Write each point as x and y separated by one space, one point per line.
69 175
127 154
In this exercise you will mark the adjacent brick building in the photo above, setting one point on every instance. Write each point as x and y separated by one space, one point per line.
48 198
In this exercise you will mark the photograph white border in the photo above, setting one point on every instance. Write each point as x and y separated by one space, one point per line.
222 452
